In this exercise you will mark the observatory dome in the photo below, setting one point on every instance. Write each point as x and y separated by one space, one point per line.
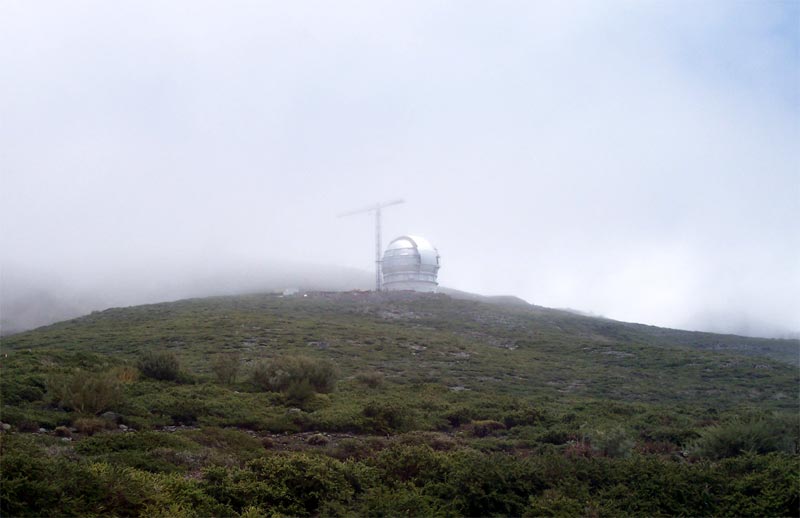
410 263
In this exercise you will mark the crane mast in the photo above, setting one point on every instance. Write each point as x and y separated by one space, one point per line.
378 246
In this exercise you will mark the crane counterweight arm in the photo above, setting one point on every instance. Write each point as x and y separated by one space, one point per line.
377 210
371 208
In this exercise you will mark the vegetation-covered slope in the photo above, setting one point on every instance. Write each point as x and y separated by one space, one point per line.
396 404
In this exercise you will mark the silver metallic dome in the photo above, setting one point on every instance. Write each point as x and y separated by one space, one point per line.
410 263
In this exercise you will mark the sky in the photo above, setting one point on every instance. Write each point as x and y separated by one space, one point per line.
633 159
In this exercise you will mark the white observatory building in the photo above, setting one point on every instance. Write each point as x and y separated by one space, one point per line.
410 263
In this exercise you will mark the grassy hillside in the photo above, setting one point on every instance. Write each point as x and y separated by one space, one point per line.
393 404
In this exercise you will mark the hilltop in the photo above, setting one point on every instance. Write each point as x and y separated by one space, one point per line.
382 401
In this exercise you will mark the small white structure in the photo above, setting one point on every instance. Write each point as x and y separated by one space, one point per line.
410 263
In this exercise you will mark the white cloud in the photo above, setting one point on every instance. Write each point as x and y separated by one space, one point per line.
634 159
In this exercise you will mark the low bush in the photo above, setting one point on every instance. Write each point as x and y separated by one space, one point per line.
140 441
299 392
498 484
84 392
371 379
31 419
387 416
16 389
419 464
295 374
756 434
91 425
226 367
294 484
62 431
524 416
236 443
181 408
460 416
160 365
436 440
399 500
612 442
317 439
485 427
125 374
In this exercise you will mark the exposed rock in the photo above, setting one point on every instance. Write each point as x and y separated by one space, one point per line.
111 416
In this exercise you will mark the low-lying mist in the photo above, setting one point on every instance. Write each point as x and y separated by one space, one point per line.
30 300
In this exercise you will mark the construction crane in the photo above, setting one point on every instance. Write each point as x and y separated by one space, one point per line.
378 251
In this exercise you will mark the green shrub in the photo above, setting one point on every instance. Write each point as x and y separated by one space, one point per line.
485 427
294 484
756 434
612 442
399 500
371 379
226 367
553 503
317 439
139 441
181 408
91 425
293 373
387 416
85 392
299 392
415 463
436 440
125 374
16 389
525 416
31 419
230 441
461 416
34 484
62 431
160 365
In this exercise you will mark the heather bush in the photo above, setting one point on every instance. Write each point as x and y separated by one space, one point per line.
299 392
14 390
756 434
84 392
612 441
485 427
387 416
371 379
294 484
317 439
226 367
91 425
160 365
125 374
295 373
